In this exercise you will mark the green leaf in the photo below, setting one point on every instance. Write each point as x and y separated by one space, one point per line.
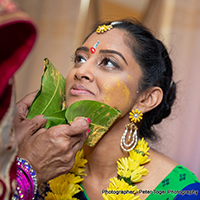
56 119
51 96
102 117
50 101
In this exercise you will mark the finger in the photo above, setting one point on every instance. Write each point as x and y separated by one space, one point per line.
78 145
78 139
35 123
42 130
28 99
71 134
24 104
78 126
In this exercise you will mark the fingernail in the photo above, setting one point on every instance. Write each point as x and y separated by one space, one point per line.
89 120
88 130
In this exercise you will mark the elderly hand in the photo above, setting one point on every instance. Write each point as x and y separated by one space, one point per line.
50 152
25 128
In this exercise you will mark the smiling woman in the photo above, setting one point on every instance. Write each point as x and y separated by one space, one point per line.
123 65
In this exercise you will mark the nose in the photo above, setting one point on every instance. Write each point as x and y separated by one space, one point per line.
84 72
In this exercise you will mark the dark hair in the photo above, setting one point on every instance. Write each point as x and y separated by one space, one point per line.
156 67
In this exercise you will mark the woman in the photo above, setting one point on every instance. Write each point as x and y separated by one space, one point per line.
123 65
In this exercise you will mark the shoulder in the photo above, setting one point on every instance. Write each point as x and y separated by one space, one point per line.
164 166
179 184
159 167
182 176
166 177
162 161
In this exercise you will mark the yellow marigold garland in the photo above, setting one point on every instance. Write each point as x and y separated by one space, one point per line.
129 172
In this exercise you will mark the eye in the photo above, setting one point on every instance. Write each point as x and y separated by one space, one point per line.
107 62
79 59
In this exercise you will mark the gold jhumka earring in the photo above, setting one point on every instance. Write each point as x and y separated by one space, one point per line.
134 116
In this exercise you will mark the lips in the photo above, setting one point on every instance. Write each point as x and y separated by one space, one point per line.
80 90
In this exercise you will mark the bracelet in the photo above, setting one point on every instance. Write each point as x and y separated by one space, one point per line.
26 182
23 186
26 168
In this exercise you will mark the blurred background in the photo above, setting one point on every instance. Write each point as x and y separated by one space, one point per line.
62 26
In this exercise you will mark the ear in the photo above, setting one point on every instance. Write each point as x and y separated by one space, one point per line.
149 99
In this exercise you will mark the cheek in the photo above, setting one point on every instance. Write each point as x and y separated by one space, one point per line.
69 77
117 95
68 81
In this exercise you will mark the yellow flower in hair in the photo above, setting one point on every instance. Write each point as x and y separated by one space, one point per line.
119 189
135 115
142 147
103 28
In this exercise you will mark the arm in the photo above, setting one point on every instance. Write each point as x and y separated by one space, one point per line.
49 152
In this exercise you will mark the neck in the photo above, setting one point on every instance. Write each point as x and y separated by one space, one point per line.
104 155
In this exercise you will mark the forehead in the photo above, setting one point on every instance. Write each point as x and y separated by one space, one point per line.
113 39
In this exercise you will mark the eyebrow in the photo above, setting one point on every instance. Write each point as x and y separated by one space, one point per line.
115 52
83 48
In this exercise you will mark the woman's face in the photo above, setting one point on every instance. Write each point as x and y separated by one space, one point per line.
110 75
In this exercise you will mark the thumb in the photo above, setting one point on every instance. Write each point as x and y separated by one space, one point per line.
24 104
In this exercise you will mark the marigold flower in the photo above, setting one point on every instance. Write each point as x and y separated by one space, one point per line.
119 189
79 164
64 187
139 157
142 146
129 171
